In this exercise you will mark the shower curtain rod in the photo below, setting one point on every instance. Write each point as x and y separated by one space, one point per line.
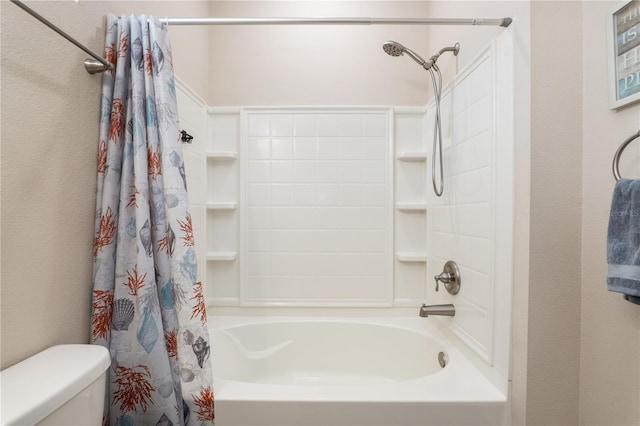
98 64
502 22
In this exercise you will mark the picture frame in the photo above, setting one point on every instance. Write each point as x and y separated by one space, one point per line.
624 54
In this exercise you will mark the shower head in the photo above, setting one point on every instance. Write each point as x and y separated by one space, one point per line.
393 48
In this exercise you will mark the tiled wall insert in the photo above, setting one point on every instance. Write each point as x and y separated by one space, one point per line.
472 223
410 207
460 225
316 191
332 195
223 185
193 120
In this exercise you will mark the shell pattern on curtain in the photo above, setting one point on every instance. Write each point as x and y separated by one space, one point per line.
147 306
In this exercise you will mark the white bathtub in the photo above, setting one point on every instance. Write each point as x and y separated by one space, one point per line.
350 372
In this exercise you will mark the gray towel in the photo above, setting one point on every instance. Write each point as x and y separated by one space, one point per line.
623 240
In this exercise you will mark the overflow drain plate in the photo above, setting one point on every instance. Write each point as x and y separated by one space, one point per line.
443 359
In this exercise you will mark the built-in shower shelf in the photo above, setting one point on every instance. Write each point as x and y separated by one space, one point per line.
412 156
222 206
222 155
222 256
411 257
411 207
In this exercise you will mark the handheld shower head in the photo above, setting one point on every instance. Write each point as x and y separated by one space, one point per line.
393 48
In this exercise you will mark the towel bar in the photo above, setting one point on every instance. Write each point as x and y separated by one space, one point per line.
616 157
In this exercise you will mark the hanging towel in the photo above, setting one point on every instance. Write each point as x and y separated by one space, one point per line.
623 240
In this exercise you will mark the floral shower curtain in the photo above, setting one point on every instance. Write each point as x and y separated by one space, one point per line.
147 307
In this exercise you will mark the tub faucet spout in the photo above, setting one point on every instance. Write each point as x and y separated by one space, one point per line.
443 310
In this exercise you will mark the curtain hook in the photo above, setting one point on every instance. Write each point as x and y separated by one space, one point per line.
185 137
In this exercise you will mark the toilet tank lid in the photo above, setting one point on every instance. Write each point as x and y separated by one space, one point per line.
34 388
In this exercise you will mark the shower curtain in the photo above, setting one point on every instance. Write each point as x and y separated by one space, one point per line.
147 307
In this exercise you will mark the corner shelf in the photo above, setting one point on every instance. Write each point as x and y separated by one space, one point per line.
222 205
222 256
222 155
412 156
413 257
412 207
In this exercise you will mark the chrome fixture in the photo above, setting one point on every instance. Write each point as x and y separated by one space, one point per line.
437 127
443 359
616 157
501 22
454 49
441 310
450 277
393 48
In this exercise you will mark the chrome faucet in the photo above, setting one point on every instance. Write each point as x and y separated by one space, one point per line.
443 310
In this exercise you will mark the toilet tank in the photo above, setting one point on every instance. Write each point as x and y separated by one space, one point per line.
62 385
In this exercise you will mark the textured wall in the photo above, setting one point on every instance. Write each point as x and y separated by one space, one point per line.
610 334
315 65
556 174
50 109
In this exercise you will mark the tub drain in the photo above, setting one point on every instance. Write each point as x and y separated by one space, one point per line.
443 359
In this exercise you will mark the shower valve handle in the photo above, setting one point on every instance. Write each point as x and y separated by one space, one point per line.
450 277
445 277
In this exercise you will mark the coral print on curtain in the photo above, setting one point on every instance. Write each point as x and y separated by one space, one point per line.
147 306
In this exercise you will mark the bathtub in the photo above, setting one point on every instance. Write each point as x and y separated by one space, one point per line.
349 372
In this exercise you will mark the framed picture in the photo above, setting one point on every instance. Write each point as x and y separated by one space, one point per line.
624 55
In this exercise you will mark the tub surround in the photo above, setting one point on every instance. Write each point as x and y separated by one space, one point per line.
472 223
286 189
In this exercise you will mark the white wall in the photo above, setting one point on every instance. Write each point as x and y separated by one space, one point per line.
315 65
193 120
314 190
316 193
472 222
556 187
410 224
